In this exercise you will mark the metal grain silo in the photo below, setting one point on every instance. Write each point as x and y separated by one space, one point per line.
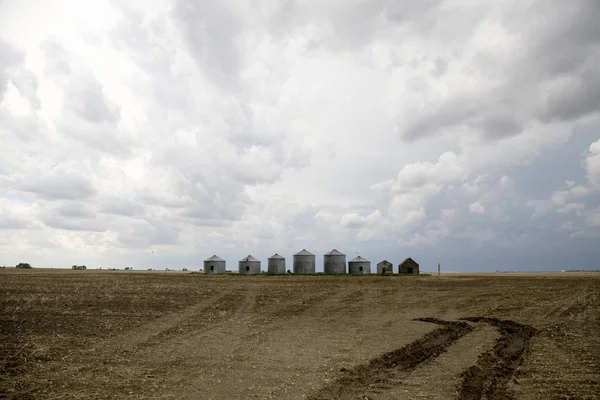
276 264
334 262
249 265
214 265
359 265
304 262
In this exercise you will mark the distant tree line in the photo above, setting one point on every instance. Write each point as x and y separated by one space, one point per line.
19 265
78 267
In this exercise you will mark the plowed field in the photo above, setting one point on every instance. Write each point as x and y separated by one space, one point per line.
153 335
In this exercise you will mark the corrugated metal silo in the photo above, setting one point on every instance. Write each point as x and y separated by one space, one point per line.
249 265
276 264
214 265
334 262
304 262
359 265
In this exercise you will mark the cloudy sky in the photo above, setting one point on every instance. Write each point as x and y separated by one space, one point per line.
158 133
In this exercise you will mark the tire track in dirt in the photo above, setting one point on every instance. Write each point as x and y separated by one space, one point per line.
255 323
201 316
162 326
266 323
344 303
325 303
366 380
119 352
249 325
490 376
445 369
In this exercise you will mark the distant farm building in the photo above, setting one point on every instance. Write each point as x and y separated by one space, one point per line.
304 262
408 266
385 267
334 262
276 264
249 265
214 265
359 265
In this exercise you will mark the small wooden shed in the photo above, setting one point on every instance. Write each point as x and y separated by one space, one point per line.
408 266
385 267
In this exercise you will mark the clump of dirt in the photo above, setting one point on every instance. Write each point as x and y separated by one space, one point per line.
489 377
361 380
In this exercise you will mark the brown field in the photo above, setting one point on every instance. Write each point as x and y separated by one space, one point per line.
130 335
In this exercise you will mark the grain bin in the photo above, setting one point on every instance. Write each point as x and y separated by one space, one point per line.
359 265
214 265
276 264
249 265
334 262
304 262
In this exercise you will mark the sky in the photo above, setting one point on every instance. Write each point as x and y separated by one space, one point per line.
157 133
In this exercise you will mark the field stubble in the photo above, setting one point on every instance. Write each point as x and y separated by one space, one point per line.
96 334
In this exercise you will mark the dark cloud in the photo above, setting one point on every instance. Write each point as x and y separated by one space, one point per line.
408 11
577 97
8 221
142 234
225 201
561 38
146 42
211 30
86 99
196 156
70 215
26 128
121 206
74 210
12 70
70 224
10 59
88 115
61 182
551 78
440 66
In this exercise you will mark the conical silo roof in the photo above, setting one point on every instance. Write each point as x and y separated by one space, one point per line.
334 252
248 258
214 258
277 256
304 252
359 259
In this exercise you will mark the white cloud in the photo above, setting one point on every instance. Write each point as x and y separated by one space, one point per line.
477 208
592 164
352 220
201 128
568 199
572 207
593 218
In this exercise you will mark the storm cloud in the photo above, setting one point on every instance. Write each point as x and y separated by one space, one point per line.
155 133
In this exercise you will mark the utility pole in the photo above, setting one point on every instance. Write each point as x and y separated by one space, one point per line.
438 270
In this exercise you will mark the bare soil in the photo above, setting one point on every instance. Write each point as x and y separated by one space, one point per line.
156 335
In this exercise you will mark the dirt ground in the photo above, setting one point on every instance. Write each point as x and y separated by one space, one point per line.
169 335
